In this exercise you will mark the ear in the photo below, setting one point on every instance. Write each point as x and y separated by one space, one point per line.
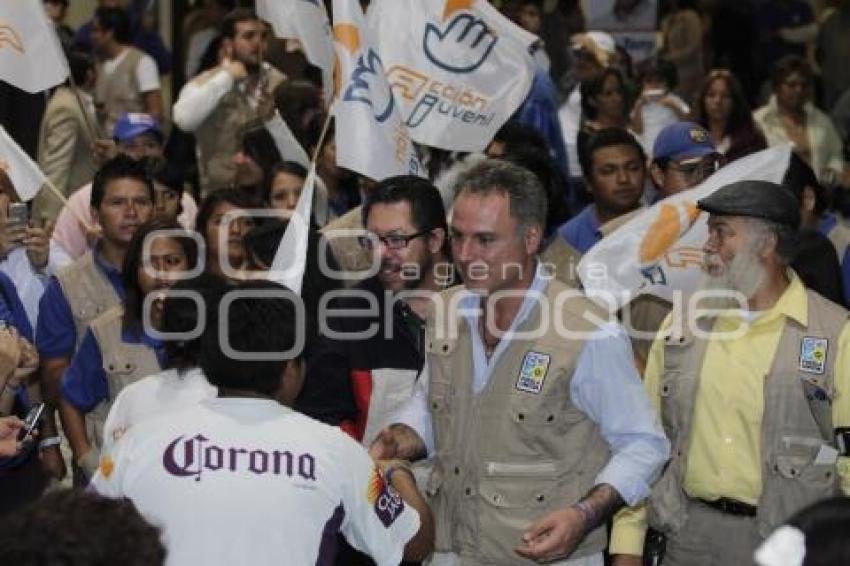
656 173
809 199
436 240
533 238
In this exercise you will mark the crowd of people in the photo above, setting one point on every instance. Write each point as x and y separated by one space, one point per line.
439 389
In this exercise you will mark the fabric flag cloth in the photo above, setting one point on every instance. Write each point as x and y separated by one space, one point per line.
458 68
25 175
660 250
371 136
284 139
307 21
30 55
290 259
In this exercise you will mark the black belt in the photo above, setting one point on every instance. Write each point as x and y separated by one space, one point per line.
731 507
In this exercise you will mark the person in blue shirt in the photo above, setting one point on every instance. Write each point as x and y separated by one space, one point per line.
615 170
23 476
121 201
118 348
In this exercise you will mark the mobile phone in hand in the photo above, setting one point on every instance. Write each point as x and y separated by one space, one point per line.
31 422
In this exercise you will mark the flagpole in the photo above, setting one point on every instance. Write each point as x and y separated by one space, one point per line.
58 194
323 134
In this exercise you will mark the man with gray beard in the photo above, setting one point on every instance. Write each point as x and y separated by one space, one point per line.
754 399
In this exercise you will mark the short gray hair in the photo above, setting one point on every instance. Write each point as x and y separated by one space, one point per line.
787 238
526 196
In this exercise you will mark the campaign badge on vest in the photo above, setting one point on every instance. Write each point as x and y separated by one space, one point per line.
533 372
813 354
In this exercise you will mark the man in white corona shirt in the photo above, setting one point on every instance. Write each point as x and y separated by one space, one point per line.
242 479
181 384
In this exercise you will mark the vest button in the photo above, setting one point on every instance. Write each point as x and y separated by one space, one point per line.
521 416
497 498
126 366
539 497
550 418
681 339
468 491
457 471
445 347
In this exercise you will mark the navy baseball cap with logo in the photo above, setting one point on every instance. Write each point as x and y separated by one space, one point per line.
134 124
683 141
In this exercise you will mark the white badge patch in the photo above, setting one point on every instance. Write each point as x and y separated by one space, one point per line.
533 372
813 354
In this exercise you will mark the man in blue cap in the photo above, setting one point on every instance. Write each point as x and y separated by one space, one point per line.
683 157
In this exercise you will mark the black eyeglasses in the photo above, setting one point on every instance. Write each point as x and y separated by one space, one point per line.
391 241
696 171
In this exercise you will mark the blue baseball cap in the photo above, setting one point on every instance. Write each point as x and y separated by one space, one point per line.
683 140
133 124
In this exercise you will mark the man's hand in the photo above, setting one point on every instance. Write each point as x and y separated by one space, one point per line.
554 536
236 68
9 427
37 242
53 463
10 354
626 560
92 233
397 442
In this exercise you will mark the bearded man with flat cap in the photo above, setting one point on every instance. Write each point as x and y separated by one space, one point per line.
754 399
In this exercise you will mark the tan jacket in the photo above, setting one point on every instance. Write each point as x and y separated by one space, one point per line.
124 363
562 260
346 248
88 292
64 151
506 457
797 421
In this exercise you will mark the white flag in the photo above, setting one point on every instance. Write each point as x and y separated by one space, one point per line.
290 259
458 68
286 142
30 55
24 174
370 134
306 21
660 250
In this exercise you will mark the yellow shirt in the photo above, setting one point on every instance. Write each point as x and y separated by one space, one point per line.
724 455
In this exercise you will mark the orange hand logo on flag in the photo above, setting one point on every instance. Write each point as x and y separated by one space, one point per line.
672 221
10 37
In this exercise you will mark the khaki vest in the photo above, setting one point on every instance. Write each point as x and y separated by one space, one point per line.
505 457
119 92
88 292
564 258
218 135
123 363
797 420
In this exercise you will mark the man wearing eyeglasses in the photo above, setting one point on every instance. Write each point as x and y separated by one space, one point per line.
683 157
370 352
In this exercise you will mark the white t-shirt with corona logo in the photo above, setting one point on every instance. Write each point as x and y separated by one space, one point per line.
248 481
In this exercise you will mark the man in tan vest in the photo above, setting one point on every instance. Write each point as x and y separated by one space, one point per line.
540 428
218 104
755 400
121 201
127 79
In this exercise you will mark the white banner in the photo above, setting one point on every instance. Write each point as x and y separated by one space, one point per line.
22 171
660 250
458 68
30 55
371 137
287 144
290 259
307 21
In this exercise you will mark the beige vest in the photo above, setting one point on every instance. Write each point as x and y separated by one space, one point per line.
218 136
123 363
797 420
119 92
88 292
563 259
506 457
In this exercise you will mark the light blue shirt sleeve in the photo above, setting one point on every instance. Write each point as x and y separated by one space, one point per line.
607 388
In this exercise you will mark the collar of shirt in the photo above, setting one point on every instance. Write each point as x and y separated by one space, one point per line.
792 304
470 309
113 274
